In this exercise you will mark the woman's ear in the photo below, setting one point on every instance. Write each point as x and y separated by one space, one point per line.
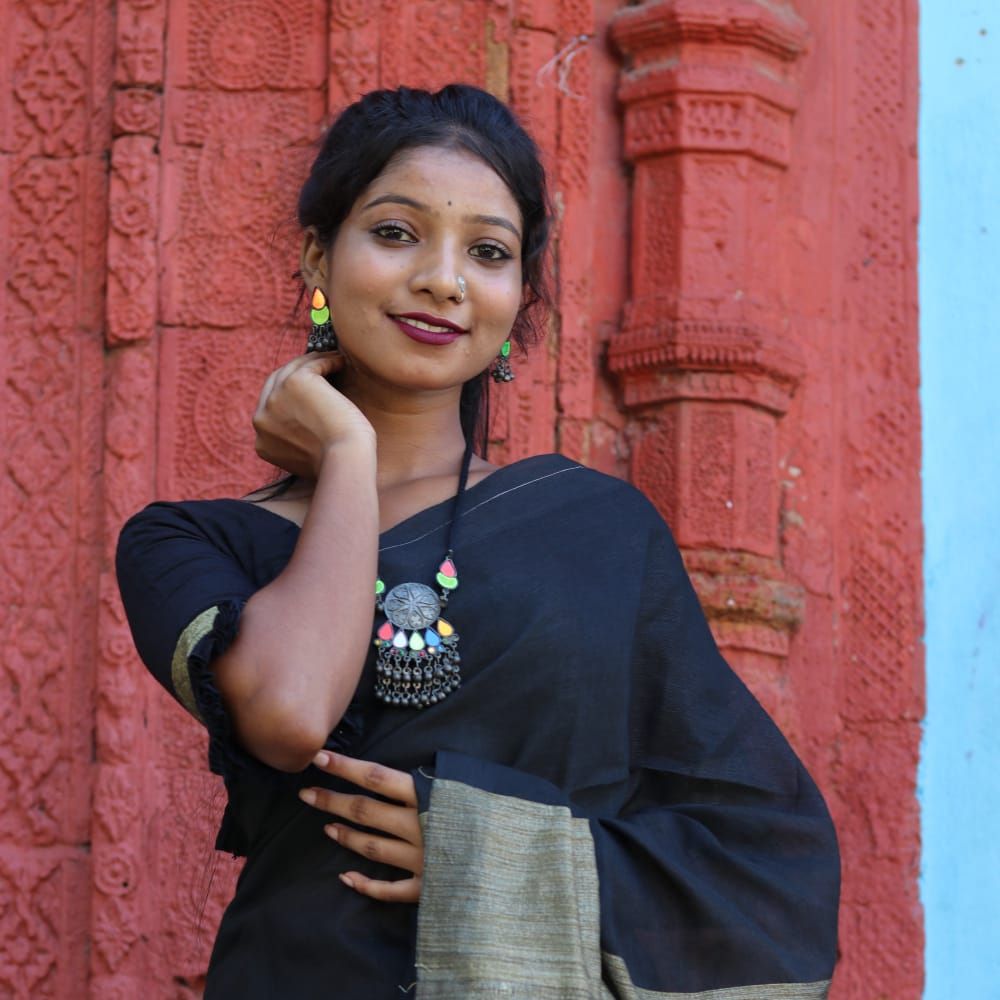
313 259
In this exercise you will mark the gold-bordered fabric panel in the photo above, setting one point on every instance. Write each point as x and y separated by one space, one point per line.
510 904
510 908
180 672
625 989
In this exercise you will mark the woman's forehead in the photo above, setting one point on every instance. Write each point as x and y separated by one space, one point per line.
442 177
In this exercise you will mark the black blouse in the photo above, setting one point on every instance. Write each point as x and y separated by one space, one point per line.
597 738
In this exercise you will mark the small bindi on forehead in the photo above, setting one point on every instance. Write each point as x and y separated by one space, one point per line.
402 199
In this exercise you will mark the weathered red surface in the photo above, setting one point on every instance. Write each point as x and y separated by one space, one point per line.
735 332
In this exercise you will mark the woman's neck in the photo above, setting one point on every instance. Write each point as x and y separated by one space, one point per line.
419 433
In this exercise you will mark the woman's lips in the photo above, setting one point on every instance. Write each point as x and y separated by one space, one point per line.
423 336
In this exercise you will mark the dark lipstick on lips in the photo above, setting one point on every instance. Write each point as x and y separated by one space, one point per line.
446 333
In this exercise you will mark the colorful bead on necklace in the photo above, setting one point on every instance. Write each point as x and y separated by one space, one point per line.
418 662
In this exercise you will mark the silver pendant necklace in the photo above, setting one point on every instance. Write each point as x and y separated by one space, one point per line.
417 663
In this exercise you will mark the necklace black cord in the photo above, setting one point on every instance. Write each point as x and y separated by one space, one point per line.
417 663
463 478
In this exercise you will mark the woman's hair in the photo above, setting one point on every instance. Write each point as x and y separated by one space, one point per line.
373 130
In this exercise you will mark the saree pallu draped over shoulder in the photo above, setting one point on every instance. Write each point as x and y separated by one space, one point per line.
608 812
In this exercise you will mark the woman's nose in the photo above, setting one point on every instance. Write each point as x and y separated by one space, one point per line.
437 274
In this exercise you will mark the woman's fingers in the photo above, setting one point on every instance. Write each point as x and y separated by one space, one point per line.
324 361
404 847
385 850
384 781
299 412
399 821
320 362
406 890
267 389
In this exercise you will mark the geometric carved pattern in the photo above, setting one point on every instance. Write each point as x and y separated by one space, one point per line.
772 276
708 99
879 620
712 450
878 606
122 906
351 13
217 381
243 44
43 918
551 50
246 45
137 110
233 162
54 133
50 88
720 124
131 241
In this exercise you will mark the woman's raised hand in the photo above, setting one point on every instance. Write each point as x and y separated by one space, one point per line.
300 416
402 848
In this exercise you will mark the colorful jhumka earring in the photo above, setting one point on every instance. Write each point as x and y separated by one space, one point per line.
322 337
501 371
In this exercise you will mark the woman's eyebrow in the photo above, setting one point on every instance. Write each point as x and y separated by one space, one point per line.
398 199
493 220
402 199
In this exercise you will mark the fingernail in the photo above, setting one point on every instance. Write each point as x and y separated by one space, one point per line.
308 795
321 759
347 881
332 832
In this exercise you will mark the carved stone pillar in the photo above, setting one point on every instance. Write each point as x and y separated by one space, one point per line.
704 358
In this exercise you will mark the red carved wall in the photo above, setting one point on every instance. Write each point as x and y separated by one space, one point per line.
735 331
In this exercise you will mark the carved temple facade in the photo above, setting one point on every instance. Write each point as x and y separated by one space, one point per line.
734 332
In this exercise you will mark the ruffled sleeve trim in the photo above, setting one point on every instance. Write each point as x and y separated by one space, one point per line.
202 642
207 637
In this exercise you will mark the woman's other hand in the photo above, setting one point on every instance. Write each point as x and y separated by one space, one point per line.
300 416
402 848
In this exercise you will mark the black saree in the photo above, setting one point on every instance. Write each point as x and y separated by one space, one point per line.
608 812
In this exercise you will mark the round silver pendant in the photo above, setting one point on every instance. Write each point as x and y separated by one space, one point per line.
412 606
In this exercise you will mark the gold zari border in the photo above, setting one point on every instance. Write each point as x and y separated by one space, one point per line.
180 672
625 989
510 908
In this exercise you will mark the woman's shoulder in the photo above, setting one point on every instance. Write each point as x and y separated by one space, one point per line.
578 483
223 519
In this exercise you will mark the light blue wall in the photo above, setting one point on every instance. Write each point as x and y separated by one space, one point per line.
960 396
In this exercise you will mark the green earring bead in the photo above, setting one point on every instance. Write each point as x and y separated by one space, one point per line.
501 371
322 337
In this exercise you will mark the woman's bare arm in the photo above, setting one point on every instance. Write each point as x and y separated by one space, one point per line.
290 673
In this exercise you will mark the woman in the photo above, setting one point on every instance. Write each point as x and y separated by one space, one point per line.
535 737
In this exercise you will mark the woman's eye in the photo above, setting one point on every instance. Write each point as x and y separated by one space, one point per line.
489 251
395 233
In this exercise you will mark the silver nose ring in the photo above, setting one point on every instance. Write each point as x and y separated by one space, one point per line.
460 281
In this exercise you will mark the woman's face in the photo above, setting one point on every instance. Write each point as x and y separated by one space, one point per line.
433 215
